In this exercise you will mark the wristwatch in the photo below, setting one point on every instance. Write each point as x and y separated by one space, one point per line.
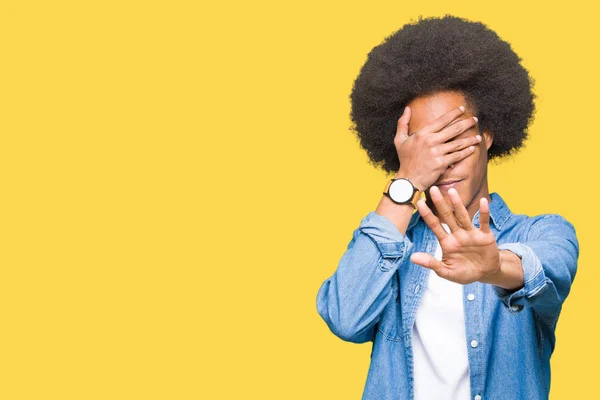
402 191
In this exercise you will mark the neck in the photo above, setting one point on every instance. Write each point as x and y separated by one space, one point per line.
473 206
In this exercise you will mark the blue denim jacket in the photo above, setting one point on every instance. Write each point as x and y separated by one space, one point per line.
374 293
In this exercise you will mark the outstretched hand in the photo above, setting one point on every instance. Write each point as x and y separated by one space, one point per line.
468 254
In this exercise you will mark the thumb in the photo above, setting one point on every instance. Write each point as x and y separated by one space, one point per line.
402 129
427 261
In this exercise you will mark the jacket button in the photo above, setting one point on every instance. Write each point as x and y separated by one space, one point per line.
471 296
474 343
478 397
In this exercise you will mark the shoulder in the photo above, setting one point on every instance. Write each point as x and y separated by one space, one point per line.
548 224
544 225
528 227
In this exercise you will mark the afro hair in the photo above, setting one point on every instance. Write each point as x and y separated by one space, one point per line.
441 54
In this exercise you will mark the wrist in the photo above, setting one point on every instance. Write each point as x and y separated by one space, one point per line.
509 274
495 276
411 177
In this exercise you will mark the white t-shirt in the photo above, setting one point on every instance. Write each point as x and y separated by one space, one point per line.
441 364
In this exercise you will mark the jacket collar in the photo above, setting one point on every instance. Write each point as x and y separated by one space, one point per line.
499 213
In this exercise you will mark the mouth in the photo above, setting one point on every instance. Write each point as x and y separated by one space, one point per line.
445 185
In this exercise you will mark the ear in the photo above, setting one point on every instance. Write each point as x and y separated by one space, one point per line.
488 138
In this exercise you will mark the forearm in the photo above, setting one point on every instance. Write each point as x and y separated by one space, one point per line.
351 300
549 254
398 214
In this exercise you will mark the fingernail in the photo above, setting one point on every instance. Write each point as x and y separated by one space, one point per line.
475 118
462 108
478 138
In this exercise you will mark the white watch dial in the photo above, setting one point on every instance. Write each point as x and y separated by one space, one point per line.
401 190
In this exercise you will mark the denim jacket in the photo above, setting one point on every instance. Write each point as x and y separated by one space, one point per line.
374 293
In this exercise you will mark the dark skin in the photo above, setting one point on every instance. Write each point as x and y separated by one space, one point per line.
469 254
472 170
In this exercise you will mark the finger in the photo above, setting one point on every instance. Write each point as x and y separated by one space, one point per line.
455 157
462 215
402 128
431 220
484 215
459 144
429 261
454 130
440 122
444 210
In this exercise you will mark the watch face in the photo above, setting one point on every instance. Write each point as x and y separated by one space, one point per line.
401 190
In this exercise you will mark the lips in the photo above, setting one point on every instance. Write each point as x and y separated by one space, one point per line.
449 181
448 184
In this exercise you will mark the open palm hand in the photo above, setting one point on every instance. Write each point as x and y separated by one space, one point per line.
468 254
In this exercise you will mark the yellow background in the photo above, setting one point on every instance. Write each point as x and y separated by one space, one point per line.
178 179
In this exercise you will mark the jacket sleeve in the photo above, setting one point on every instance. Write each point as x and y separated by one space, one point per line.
549 258
352 299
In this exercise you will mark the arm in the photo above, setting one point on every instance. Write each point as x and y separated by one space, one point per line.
549 261
510 273
351 300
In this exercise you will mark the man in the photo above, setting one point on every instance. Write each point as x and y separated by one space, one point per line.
461 298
